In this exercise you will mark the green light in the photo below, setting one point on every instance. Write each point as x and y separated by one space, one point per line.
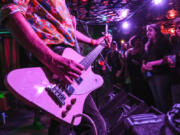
110 31
2 95
4 32
103 18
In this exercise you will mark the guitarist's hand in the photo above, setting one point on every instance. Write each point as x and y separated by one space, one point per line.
65 68
107 37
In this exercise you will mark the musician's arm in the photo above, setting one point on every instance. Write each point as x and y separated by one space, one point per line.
81 37
27 37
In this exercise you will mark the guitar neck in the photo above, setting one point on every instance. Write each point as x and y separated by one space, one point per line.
89 59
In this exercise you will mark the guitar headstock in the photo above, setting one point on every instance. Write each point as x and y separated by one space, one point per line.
103 43
107 41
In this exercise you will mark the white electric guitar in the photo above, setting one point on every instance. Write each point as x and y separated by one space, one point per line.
61 101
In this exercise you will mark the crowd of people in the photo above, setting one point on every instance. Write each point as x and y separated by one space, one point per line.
148 68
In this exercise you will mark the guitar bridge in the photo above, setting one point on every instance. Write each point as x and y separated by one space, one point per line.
57 94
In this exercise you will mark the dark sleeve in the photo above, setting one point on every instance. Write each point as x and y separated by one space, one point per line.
166 47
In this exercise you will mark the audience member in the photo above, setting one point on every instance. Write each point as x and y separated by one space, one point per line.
174 61
155 68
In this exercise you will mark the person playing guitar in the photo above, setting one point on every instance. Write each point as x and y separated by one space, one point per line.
42 25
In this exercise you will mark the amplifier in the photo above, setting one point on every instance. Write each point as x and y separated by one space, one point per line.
147 124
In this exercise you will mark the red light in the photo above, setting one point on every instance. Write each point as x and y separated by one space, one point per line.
171 30
101 63
84 0
172 14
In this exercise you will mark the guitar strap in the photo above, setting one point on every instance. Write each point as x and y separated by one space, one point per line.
77 47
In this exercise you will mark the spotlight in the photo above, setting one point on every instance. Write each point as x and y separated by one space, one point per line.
122 41
156 2
125 13
125 25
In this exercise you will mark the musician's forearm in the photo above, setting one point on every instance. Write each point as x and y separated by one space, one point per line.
82 37
27 37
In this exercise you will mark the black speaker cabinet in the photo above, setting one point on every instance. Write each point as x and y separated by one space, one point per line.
147 124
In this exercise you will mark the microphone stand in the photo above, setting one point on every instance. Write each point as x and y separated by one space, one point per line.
107 65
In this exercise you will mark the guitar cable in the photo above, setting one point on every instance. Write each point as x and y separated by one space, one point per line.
88 118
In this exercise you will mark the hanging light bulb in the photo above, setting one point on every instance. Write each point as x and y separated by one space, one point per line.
172 14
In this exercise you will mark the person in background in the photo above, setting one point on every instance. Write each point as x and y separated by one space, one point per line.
123 49
138 85
45 28
174 63
115 61
156 68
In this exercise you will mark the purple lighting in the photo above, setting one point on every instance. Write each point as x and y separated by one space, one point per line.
125 13
156 2
125 25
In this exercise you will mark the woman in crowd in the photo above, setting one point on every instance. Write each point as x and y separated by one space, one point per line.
175 64
155 66
134 56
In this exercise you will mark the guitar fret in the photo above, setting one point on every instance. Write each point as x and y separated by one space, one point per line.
89 59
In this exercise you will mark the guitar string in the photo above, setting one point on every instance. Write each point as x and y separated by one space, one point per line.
86 60
94 56
91 56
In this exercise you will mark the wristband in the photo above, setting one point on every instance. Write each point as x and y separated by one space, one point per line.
93 42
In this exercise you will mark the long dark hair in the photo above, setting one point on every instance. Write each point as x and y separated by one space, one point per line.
175 39
159 36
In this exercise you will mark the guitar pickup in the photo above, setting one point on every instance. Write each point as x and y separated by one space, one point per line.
61 96
57 95
69 90
79 80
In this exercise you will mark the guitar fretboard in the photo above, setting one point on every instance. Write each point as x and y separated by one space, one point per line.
89 59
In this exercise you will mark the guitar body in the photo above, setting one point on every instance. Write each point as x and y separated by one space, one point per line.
29 84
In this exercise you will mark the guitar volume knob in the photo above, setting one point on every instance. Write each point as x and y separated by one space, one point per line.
73 101
68 107
64 113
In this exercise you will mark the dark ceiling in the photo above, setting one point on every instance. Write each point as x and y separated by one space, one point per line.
139 13
110 11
